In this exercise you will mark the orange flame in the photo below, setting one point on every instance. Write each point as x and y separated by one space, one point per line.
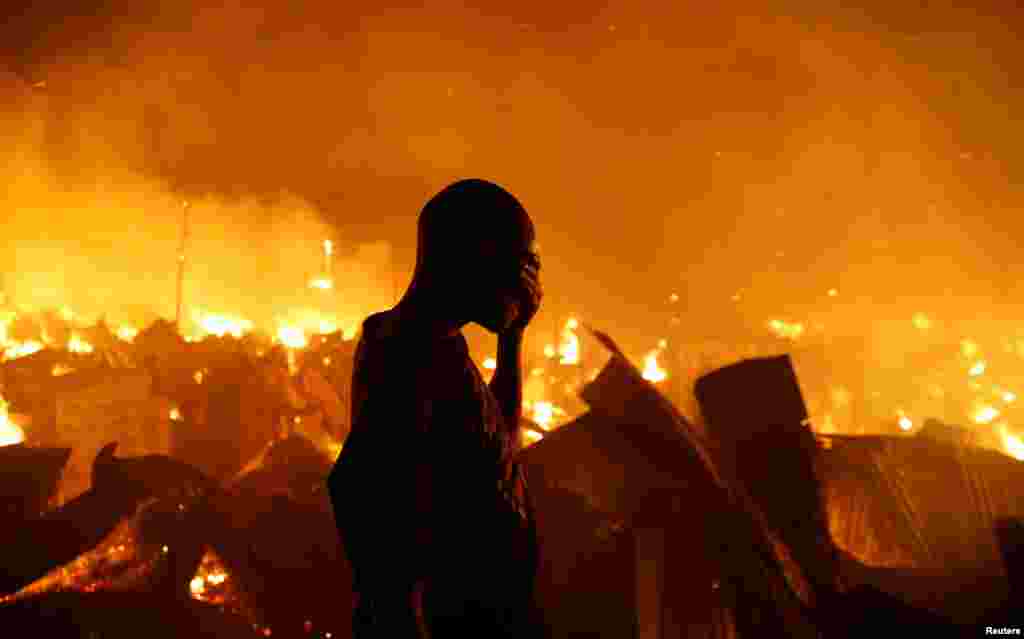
10 433
652 372
570 347
490 363
1012 444
221 325
292 337
127 333
78 345
322 283
904 421
985 414
786 330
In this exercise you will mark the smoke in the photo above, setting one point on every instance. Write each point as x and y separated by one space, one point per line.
107 242
661 147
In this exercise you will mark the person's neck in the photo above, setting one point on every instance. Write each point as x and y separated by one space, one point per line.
415 309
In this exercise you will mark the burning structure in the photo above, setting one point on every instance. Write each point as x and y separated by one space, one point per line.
835 185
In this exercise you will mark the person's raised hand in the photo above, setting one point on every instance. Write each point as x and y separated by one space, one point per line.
530 295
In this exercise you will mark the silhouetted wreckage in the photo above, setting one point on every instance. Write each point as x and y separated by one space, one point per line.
741 524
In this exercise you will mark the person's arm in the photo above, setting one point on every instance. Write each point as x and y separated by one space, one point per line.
507 383
382 488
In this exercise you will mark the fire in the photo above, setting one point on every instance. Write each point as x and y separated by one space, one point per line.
60 370
652 372
985 414
127 333
322 283
549 351
221 325
77 345
904 421
570 347
15 350
175 414
832 292
533 436
490 363
1012 444
543 414
328 248
198 376
922 322
1009 397
977 369
10 433
292 337
349 333
785 329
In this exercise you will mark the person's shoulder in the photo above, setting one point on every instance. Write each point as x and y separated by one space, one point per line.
386 348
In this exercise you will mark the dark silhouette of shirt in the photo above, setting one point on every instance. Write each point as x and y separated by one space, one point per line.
426 487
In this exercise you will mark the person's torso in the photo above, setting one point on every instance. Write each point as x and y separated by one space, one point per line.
483 512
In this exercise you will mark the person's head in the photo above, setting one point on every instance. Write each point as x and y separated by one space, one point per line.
474 239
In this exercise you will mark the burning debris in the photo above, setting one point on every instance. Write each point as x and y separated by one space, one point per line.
10 433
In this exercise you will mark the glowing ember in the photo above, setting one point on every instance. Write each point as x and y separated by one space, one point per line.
490 363
785 329
977 369
533 436
652 372
22 349
832 292
985 415
549 351
127 333
1012 444
221 325
197 586
198 377
904 421
59 370
922 322
77 345
10 433
570 347
292 337
327 361
1009 397
663 344
175 414
543 414
673 298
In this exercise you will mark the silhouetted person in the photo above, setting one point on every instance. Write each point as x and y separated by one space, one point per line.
433 512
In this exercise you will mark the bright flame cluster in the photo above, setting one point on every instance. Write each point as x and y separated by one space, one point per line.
786 330
222 325
10 433
569 350
652 371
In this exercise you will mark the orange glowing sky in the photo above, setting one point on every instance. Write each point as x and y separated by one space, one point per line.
776 153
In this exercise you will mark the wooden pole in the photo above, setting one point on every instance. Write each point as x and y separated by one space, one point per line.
181 266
